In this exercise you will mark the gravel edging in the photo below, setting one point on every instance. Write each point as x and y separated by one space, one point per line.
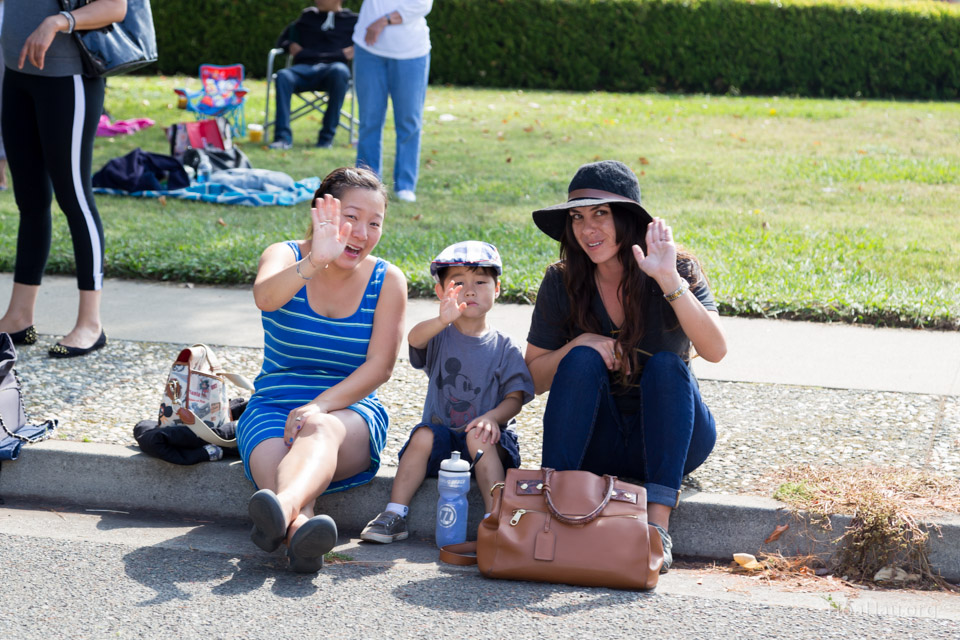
761 427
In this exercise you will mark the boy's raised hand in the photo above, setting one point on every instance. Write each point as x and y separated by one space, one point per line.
450 309
484 428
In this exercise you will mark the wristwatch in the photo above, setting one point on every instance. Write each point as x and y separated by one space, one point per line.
389 18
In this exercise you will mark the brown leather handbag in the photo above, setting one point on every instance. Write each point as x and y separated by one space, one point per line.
571 527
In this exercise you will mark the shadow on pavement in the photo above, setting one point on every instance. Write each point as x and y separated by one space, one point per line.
197 558
484 595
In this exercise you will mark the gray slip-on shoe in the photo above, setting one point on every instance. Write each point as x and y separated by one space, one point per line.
313 539
269 523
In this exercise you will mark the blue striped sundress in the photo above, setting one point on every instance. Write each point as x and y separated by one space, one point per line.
304 354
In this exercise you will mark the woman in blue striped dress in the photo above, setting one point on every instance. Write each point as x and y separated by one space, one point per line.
333 316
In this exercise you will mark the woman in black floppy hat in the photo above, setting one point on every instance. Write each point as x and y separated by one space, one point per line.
611 337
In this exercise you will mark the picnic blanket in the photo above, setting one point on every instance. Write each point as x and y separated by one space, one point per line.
270 195
121 127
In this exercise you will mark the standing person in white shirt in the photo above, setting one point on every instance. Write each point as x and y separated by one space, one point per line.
392 58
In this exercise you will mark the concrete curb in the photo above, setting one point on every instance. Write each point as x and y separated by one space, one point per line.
115 477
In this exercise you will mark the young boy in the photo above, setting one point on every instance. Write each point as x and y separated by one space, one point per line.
478 383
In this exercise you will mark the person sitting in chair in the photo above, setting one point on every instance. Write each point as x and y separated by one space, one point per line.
321 43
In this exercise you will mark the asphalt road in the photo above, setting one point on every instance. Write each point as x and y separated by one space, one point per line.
77 574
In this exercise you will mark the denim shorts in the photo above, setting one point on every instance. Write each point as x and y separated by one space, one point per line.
447 440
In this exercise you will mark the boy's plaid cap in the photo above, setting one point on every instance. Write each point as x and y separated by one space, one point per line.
470 253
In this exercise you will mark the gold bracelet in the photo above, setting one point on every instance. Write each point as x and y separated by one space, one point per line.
682 289
299 272
313 265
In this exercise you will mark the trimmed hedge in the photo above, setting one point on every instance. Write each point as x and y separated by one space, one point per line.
192 32
868 48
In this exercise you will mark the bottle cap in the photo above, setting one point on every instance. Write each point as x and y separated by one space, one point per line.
454 463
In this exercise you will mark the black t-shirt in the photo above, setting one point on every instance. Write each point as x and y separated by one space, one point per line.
662 331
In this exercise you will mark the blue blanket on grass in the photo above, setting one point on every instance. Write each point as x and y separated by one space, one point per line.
223 194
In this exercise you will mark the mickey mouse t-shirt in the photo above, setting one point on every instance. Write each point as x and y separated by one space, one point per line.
470 376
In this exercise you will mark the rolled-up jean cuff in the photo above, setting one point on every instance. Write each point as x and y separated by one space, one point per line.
662 495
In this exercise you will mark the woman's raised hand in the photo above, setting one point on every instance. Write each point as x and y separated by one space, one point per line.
450 309
660 261
329 233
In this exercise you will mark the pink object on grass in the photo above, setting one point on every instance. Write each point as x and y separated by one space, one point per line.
121 127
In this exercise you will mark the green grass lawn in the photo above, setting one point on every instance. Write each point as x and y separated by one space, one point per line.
819 209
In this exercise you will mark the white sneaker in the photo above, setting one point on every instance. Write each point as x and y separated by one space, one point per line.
280 145
406 195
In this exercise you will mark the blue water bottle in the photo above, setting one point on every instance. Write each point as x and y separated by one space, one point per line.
454 483
204 169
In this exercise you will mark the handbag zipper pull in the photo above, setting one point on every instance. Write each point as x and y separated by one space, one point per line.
517 514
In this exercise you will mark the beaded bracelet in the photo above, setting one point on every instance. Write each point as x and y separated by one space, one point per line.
682 289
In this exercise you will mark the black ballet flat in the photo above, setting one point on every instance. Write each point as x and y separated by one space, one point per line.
61 351
313 539
27 336
269 523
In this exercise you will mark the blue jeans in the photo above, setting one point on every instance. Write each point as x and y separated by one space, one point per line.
405 81
669 437
333 77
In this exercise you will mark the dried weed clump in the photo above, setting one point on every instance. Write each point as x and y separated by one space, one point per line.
887 507
803 571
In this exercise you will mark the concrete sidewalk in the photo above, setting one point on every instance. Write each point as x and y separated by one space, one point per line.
767 351
707 525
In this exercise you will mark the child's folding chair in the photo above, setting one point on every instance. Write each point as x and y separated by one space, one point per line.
222 95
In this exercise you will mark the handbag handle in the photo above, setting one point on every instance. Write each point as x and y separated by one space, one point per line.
463 554
201 353
590 517
207 356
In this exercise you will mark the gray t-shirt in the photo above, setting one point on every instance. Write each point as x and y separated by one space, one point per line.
20 18
470 376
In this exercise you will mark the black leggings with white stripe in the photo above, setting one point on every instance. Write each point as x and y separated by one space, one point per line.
48 129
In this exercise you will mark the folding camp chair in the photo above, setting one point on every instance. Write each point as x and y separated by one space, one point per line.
311 101
222 95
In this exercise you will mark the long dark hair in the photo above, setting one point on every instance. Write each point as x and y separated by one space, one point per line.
637 290
340 180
